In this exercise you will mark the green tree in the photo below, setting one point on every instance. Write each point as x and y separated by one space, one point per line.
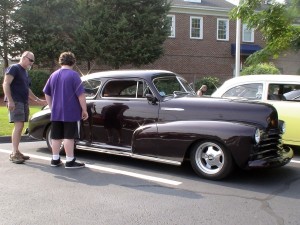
87 33
46 28
276 22
261 68
7 27
132 31
116 32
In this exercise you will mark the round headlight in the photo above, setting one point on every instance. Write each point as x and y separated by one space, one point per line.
257 136
283 127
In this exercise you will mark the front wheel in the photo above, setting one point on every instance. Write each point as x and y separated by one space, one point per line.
211 160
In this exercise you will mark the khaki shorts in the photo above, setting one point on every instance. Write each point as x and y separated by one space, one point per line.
20 114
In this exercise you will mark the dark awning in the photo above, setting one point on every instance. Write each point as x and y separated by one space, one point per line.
246 49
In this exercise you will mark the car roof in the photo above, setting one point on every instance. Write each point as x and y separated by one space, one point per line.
127 74
264 78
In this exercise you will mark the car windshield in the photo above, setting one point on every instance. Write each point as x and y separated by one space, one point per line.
247 91
172 86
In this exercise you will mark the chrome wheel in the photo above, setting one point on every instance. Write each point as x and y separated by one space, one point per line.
211 160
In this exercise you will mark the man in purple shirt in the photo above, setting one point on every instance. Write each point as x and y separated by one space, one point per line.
65 96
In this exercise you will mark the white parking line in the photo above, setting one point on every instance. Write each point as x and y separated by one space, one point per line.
110 170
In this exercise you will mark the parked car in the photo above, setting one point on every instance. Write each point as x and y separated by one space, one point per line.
281 91
155 115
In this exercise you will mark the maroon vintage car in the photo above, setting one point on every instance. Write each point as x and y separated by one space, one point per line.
155 115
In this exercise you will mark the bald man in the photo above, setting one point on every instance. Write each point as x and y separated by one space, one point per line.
16 87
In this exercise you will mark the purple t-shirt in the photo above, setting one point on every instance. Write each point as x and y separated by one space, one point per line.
64 86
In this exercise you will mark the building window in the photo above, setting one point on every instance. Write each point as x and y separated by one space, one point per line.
196 27
248 34
171 18
223 29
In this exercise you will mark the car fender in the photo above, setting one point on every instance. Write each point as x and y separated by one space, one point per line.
39 124
159 139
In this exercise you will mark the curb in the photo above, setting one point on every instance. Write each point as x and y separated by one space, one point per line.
24 138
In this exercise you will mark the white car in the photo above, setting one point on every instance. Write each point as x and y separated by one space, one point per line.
281 91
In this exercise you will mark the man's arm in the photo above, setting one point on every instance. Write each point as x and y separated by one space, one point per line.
49 100
7 91
82 101
6 87
33 97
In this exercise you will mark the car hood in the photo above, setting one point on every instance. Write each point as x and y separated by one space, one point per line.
207 108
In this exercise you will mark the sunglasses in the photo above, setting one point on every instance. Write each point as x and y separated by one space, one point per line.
30 60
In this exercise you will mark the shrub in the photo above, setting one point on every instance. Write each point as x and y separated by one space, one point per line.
261 68
38 81
211 82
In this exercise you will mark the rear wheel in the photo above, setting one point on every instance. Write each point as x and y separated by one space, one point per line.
211 160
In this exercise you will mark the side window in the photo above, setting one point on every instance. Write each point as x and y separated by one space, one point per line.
248 91
129 89
124 89
290 92
91 87
274 92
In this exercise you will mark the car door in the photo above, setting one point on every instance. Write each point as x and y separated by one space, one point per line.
122 107
288 109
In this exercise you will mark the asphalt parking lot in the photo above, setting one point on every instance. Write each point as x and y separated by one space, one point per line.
118 190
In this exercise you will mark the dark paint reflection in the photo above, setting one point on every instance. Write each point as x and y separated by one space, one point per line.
113 120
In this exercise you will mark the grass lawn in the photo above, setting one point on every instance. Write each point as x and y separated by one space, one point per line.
5 126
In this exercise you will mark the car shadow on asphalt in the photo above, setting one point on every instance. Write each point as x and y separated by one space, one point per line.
276 180
92 177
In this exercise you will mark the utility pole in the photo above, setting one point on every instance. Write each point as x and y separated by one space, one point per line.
237 40
238 48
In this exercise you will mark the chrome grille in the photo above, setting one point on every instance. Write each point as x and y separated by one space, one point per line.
268 146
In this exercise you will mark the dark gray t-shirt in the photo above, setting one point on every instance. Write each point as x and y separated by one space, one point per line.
20 85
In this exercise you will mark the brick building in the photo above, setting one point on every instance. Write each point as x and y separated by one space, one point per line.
202 42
